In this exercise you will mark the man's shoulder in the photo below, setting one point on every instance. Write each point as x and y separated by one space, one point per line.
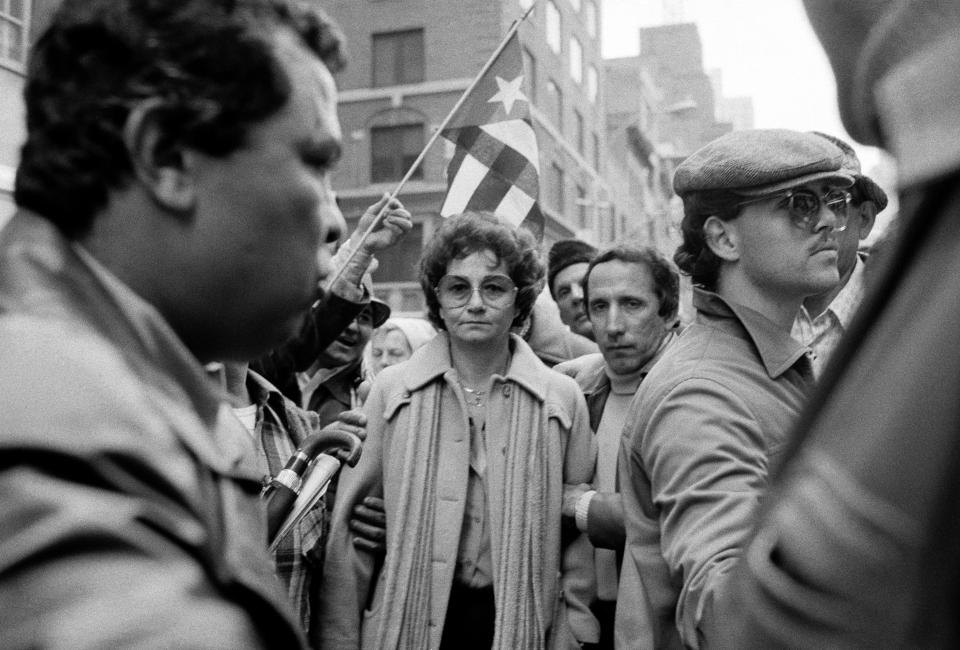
57 381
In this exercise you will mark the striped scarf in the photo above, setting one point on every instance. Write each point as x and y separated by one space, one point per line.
530 485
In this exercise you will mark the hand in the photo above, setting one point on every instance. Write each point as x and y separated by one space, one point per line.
572 494
394 225
369 525
352 421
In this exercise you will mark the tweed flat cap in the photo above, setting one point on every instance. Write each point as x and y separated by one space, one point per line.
755 162
866 186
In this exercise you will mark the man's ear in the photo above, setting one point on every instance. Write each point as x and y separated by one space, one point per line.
722 238
866 218
158 161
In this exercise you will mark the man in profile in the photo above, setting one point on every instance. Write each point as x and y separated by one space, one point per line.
762 211
823 319
174 208
857 546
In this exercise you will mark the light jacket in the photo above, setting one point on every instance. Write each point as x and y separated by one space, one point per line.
706 424
351 606
131 512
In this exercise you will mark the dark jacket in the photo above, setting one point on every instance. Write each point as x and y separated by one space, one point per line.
131 513
858 545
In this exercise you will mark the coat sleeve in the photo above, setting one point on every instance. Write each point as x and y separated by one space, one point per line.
349 573
706 458
605 521
579 580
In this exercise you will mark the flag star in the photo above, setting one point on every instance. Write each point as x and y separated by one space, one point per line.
509 93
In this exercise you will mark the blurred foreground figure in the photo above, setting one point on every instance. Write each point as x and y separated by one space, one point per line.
173 210
858 545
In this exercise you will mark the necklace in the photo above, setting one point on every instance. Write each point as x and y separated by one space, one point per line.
474 395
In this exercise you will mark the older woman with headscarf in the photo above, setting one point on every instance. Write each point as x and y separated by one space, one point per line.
470 442
395 340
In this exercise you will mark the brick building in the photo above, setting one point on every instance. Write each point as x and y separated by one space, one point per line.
410 60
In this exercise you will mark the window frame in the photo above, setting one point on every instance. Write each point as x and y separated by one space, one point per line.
401 158
401 63
8 23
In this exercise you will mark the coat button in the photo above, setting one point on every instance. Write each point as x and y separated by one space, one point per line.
507 390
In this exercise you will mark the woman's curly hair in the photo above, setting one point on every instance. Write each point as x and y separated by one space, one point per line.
208 64
471 232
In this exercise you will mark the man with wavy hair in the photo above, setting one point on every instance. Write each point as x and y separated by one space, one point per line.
174 207
762 209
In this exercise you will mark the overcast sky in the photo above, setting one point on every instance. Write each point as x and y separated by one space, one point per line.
765 49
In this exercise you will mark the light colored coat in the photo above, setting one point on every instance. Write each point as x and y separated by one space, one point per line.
392 408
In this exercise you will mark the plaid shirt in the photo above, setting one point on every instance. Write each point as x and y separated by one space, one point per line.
823 333
280 428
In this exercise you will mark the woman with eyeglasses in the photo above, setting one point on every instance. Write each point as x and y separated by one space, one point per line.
470 442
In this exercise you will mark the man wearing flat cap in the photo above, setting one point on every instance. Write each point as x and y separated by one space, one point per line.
762 214
567 263
824 318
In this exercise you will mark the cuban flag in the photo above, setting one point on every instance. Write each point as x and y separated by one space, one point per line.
496 164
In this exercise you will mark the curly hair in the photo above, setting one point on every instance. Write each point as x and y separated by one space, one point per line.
666 280
693 256
210 64
474 231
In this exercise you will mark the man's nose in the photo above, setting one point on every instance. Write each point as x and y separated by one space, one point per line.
576 294
614 323
828 219
332 224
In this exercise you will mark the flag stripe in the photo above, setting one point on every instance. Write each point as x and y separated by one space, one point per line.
521 137
463 186
515 205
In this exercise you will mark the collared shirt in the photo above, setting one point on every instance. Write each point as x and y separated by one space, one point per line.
694 460
300 554
822 333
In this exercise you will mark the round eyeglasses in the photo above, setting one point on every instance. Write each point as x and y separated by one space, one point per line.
804 206
456 291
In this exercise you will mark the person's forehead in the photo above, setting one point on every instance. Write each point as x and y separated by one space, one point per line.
314 91
620 276
477 263
571 274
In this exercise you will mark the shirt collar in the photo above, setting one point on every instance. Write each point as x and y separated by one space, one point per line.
777 349
845 304
433 360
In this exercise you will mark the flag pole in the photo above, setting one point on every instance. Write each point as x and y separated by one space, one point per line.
433 138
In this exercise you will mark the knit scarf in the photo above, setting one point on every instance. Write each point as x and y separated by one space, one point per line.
530 484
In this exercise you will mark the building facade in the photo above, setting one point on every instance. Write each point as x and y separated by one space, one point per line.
409 62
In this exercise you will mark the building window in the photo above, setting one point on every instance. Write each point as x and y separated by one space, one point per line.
593 83
596 152
576 60
555 104
556 185
398 58
553 27
591 12
530 68
581 131
582 206
14 33
392 150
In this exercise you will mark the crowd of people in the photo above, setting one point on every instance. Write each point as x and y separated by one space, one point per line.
550 457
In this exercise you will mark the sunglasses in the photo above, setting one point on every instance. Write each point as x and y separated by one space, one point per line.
495 291
804 206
